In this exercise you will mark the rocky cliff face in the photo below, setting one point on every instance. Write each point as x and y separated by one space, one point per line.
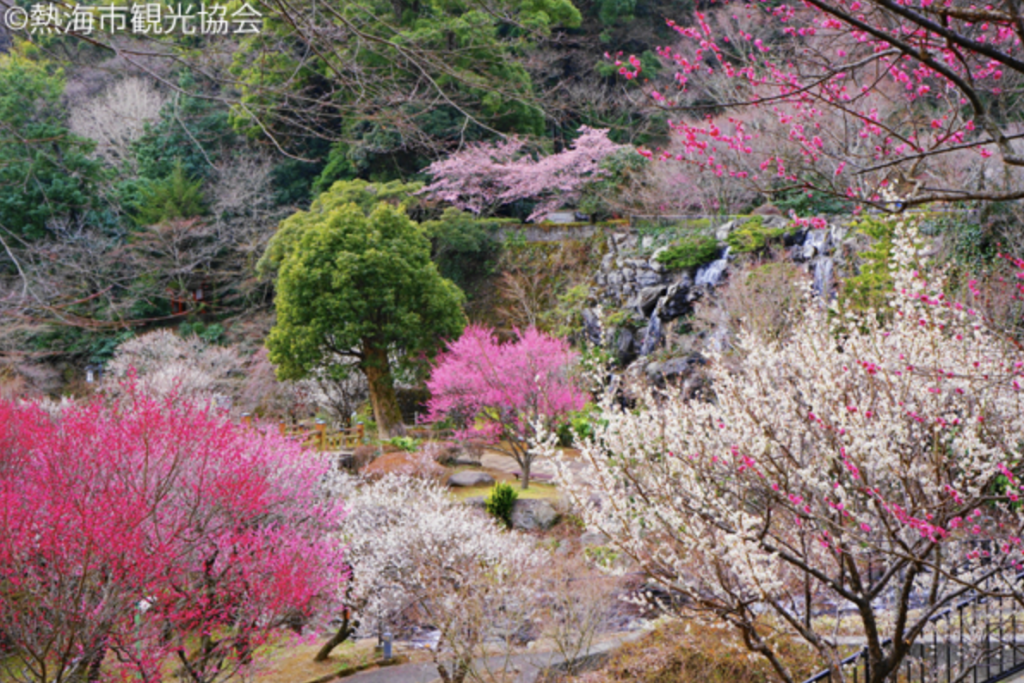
644 295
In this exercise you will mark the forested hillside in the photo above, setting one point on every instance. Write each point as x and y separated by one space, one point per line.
144 171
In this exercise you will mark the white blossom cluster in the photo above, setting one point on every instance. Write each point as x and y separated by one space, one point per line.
167 364
410 546
870 463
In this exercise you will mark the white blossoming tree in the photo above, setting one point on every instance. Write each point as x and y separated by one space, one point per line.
410 545
856 479
167 364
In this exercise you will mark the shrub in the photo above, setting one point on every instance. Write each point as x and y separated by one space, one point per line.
501 501
465 248
691 251
405 443
578 425
760 298
870 287
755 236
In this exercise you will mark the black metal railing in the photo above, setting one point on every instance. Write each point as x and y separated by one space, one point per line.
972 641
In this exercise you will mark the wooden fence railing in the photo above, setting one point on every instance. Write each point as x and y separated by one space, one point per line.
321 438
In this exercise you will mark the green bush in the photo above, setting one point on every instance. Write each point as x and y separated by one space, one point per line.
211 334
464 247
406 443
175 197
691 251
755 236
500 502
873 283
580 422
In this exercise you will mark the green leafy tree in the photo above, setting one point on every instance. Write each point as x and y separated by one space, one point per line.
175 197
362 289
45 171
394 81
363 194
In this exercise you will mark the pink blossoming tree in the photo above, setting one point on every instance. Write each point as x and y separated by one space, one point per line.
485 176
512 393
856 95
859 477
150 534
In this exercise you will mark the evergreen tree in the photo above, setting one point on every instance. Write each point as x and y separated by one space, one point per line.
358 288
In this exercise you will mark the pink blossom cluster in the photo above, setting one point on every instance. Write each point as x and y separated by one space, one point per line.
136 527
484 176
504 391
858 92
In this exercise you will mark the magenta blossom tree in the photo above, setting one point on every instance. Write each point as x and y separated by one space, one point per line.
847 97
485 176
148 534
511 393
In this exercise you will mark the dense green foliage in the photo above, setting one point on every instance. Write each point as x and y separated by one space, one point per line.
360 193
353 287
500 502
423 76
173 197
689 252
46 174
753 235
871 286
352 279
465 248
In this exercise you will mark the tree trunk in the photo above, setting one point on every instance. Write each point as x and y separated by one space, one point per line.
344 631
382 391
526 473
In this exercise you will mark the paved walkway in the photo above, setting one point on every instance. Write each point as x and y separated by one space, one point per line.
528 664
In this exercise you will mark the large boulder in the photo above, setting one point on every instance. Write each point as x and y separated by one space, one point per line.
592 327
674 368
470 478
678 299
476 502
625 346
530 514
723 230
648 278
680 372
646 299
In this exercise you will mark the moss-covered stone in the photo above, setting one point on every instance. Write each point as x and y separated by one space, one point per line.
754 235
689 252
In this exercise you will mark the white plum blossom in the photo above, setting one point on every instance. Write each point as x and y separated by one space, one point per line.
870 463
410 545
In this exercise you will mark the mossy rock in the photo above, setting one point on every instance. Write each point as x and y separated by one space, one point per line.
754 236
689 252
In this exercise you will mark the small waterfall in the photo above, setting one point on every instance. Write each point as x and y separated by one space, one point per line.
823 276
712 273
652 336
815 244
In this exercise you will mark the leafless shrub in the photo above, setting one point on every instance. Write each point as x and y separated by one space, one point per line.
579 604
117 117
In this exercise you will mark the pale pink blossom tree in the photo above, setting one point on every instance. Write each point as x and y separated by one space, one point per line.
146 534
485 176
858 477
512 393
